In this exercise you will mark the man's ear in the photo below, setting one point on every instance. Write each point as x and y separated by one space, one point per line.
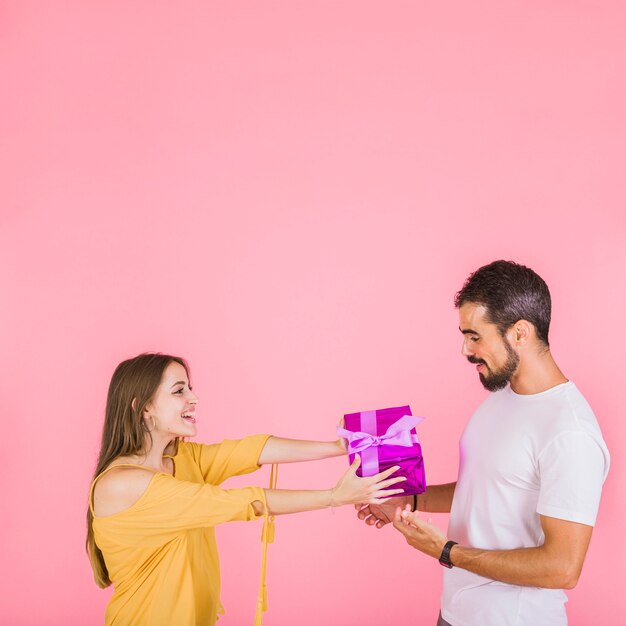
522 331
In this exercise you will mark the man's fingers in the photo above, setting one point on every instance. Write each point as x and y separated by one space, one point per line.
400 524
367 516
363 510
411 517
403 528
376 521
372 520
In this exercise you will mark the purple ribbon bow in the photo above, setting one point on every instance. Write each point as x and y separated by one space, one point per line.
398 434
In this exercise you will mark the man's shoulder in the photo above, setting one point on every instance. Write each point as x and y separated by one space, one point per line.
571 411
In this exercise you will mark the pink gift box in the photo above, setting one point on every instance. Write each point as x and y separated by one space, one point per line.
385 438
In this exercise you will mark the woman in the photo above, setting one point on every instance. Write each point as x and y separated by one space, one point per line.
155 498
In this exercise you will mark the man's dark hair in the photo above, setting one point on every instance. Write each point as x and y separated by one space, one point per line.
510 292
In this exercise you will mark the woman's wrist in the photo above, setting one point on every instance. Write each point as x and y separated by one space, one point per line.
330 498
340 447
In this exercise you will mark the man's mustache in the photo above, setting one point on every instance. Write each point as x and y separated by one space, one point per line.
476 360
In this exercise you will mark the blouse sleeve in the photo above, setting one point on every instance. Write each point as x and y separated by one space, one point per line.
170 506
232 457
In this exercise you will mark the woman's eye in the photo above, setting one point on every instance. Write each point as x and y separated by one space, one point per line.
179 391
474 339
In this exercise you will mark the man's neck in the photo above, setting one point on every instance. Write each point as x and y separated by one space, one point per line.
537 372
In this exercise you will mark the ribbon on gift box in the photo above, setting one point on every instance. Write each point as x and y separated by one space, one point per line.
364 443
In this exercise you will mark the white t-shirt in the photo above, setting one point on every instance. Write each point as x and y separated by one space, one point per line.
521 456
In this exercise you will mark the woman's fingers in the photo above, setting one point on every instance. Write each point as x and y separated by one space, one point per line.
388 472
378 500
356 463
390 481
378 497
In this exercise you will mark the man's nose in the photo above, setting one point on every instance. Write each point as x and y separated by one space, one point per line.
465 351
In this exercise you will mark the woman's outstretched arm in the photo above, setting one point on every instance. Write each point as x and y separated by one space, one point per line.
349 490
278 450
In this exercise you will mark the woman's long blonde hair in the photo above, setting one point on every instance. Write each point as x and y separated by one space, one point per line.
132 386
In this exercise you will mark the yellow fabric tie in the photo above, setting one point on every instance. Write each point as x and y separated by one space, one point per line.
267 537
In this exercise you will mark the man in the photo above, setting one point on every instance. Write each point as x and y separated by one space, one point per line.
532 465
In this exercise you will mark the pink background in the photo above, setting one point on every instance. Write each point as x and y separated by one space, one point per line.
289 194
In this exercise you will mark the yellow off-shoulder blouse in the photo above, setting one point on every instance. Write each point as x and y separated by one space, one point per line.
161 552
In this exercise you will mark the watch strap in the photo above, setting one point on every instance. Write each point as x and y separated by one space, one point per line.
444 559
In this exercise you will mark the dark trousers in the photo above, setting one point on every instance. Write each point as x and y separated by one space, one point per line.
442 622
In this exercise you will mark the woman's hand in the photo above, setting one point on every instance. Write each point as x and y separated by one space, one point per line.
373 489
342 443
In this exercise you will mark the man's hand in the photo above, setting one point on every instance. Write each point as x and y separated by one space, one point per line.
381 514
421 535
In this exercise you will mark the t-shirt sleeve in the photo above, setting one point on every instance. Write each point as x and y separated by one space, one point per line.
572 470
232 457
170 506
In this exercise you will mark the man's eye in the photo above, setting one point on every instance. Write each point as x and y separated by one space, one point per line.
474 339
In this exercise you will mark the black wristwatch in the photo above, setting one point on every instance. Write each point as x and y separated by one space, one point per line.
444 559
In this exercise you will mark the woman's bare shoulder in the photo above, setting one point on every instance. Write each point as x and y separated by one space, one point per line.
119 489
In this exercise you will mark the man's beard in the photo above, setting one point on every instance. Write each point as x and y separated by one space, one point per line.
498 379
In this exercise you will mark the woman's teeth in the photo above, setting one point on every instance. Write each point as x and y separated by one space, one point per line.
190 417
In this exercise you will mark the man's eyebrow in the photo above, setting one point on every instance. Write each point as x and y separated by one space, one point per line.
469 331
179 382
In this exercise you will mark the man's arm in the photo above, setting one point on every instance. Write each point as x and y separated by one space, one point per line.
554 565
436 499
